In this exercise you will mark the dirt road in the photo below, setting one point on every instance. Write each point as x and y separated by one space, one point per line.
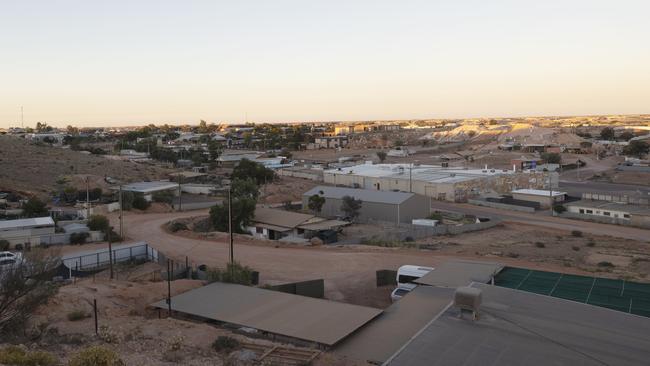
543 219
349 273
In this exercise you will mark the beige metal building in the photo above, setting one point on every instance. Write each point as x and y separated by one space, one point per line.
543 197
396 207
445 184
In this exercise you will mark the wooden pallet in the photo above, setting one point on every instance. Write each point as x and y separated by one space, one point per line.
282 355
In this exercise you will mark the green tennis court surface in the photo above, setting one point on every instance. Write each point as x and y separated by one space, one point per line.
629 297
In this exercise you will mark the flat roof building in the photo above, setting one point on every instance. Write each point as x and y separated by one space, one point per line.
23 231
609 212
445 184
543 197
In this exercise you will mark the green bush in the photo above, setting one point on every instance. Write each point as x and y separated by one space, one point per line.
140 203
163 196
14 355
96 356
559 208
4 245
77 315
98 223
78 238
576 233
225 344
234 273
177 226
539 244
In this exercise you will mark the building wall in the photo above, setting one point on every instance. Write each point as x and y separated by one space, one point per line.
542 200
416 207
590 211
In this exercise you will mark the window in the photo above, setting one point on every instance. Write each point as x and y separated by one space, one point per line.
606 213
590 212
406 279
259 230
626 216
582 211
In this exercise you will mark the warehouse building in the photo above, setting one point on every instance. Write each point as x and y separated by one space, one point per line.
540 196
397 207
440 183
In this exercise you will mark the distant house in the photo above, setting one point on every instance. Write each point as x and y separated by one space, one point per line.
275 224
24 231
147 189
397 207
610 212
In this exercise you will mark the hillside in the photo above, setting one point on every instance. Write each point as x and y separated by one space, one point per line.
29 168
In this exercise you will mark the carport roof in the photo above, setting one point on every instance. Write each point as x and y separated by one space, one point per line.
456 273
316 320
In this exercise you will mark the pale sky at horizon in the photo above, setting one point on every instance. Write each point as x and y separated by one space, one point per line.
101 63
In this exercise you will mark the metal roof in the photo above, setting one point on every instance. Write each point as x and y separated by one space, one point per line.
385 335
280 218
456 273
365 195
149 187
614 206
538 192
316 320
521 328
22 223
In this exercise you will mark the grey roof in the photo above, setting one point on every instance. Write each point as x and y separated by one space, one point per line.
365 195
149 187
23 223
456 273
522 328
607 205
279 218
385 335
305 318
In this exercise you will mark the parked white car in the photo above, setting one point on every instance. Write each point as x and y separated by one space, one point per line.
405 276
9 259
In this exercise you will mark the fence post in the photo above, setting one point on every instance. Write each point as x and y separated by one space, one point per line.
95 311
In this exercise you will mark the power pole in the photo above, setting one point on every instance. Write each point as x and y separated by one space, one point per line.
180 194
550 192
121 214
87 199
232 253
169 287
110 252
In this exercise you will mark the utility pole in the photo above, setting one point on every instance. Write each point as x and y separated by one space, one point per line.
121 214
169 288
411 177
180 194
232 253
110 252
550 190
87 199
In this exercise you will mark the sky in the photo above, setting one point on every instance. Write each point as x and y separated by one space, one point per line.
112 63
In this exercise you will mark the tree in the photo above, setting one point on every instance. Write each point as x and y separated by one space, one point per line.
42 127
626 136
203 127
250 169
34 207
140 203
243 211
214 148
98 223
636 148
316 203
24 287
607 133
381 155
351 207
244 188
551 158
73 131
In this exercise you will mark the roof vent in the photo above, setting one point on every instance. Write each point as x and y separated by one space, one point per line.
468 299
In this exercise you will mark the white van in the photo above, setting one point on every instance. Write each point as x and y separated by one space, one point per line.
405 276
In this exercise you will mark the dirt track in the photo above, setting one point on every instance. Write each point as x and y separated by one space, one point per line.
349 272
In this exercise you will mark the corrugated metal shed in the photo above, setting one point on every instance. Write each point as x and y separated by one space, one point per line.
321 321
23 223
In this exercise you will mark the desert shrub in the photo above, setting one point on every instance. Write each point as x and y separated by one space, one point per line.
107 335
225 344
234 273
591 243
19 247
539 244
559 208
78 238
14 355
98 223
605 264
576 248
4 245
96 356
77 315
140 203
576 233
177 226
435 216
163 196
